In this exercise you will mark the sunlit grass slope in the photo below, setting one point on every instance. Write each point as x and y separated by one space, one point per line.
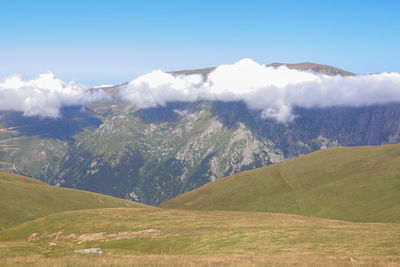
144 231
360 184
23 199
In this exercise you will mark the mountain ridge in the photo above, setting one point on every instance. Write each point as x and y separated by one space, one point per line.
304 66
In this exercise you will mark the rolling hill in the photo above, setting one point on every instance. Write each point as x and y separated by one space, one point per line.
23 199
360 184
356 183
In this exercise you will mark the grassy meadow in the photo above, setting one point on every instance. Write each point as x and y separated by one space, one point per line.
337 207
359 184
136 233
23 199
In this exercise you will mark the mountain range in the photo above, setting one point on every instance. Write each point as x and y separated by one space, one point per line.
151 155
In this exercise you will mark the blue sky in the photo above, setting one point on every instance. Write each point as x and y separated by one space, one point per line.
98 42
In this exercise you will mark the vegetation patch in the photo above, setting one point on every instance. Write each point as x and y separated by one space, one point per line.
359 184
23 199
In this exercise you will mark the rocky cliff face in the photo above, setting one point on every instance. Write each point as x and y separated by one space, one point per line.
155 154
151 155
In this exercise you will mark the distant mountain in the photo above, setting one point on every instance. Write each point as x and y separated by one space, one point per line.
154 154
203 72
353 184
317 68
305 66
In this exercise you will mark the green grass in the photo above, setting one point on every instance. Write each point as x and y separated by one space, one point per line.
46 224
359 184
356 184
23 199
145 231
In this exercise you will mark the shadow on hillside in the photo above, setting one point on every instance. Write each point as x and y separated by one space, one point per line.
72 121
169 113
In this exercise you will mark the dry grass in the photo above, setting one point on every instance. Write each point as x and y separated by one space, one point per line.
149 231
206 260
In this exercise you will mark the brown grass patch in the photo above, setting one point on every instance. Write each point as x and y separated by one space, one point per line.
81 238
206 260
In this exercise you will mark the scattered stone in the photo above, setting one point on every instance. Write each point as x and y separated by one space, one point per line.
34 237
353 260
89 251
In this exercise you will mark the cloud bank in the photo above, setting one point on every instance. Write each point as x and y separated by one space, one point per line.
275 91
42 96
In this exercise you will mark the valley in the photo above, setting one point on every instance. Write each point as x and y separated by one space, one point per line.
151 155
199 133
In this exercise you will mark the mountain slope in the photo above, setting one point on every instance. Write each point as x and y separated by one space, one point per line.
154 154
151 155
354 184
23 199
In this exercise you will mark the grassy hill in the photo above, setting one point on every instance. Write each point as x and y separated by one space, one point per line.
153 231
360 184
23 199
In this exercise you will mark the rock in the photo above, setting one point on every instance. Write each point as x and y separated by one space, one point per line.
353 260
89 251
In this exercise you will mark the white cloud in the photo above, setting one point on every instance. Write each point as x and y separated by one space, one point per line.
273 90
42 96
158 88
